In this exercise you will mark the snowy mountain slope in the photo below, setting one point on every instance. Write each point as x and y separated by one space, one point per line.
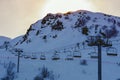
15 41
65 69
60 33
3 39
57 30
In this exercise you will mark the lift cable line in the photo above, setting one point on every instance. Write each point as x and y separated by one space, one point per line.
92 41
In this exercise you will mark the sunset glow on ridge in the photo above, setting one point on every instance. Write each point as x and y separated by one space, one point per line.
63 6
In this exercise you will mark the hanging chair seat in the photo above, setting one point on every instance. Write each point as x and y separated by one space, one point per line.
112 54
42 57
93 55
69 57
77 54
33 57
111 51
55 57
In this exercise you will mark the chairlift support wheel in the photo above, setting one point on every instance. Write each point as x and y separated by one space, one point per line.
93 41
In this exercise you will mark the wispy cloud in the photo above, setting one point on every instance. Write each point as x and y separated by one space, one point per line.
108 6
17 15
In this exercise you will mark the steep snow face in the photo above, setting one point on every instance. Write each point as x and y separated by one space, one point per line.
16 40
57 30
4 39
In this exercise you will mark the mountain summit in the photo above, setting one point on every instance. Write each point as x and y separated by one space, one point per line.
58 30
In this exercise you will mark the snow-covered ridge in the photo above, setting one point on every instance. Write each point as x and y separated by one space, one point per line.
3 39
57 30
62 35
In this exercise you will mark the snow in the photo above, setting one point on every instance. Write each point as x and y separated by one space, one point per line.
66 69
15 40
3 39
69 35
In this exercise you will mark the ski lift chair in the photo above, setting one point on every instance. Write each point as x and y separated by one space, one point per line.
42 57
76 54
33 57
111 51
69 57
55 56
107 43
93 55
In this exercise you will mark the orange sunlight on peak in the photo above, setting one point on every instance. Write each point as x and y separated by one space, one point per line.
63 6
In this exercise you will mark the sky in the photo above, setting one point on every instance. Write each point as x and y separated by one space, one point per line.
17 15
